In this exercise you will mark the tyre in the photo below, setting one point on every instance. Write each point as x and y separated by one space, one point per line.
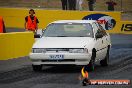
105 61
37 67
84 82
91 64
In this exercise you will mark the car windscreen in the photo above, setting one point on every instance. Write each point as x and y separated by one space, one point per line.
69 30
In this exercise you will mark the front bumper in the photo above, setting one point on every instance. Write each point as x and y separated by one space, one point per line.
69 59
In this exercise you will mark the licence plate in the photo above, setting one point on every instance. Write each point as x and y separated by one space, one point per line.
56 57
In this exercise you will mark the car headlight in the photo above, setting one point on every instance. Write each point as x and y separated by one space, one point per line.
76 51
39 50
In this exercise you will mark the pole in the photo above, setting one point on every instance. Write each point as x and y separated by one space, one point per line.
67 5
121 6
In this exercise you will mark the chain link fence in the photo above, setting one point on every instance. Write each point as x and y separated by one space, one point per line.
100 5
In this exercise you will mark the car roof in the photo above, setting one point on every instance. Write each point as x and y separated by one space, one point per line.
74 21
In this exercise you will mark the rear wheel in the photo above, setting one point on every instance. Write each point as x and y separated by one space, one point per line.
105 61
37 67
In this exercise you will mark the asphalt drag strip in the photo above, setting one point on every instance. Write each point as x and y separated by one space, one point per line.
18 73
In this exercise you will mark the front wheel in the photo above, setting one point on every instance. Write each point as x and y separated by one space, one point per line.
91 64
37 67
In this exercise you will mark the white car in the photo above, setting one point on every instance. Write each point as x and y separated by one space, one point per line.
71 42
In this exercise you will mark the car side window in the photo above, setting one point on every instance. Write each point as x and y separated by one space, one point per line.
102 30
99 31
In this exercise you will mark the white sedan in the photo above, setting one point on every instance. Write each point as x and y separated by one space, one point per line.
71 42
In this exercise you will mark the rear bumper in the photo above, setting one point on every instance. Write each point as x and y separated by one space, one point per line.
69 59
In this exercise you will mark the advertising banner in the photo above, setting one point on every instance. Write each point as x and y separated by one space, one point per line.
110 21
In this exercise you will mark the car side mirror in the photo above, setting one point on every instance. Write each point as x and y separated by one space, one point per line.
98 35
38 33
43 31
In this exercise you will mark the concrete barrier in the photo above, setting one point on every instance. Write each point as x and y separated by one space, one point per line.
14 45
111 21
15 17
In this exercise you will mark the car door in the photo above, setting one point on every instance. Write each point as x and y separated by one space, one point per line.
98 42
104 45
105 40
